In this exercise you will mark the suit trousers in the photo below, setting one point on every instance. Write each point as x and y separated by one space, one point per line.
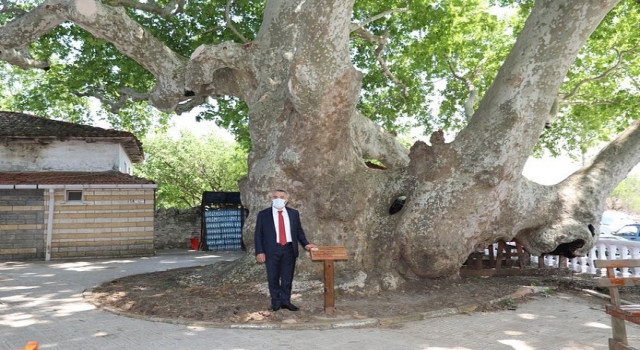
280 267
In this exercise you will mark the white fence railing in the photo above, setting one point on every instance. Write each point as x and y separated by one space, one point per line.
603 250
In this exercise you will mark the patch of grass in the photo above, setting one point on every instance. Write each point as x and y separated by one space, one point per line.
548 291
508 304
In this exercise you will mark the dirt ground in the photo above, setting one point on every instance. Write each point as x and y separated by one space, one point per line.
196 294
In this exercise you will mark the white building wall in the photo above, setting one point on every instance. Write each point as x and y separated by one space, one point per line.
124 162
61 156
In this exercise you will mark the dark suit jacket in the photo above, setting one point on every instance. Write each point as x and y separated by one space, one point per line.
266 233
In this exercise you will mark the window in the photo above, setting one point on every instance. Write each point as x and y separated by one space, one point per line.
74 196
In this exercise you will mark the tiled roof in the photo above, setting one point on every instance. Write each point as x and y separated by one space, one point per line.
71 178
20 126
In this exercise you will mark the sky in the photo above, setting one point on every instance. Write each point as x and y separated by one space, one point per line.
202 128
548 170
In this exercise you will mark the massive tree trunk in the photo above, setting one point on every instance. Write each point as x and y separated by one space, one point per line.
461 196
308 137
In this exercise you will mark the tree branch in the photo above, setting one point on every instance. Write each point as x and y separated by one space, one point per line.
113 25
190 104
606 73
178 181
229 23
521 96
374 143
22 59
151 6
222 69
383 63
634 82
612 164
7 8
563 98
18 33
589 103
356 26
473 97
173 84
186 202
381 41
126 94
211 179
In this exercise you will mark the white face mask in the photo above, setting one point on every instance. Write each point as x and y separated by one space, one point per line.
278 203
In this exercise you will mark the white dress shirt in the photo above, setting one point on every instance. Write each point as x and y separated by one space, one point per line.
287 226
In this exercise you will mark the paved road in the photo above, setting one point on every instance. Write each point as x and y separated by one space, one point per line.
43 301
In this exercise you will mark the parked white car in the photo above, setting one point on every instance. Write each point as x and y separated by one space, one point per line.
613 220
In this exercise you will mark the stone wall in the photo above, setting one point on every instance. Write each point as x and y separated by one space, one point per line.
175 227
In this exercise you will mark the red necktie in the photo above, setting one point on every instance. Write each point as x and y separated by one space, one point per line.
281 230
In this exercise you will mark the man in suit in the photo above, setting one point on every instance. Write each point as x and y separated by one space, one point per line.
278 233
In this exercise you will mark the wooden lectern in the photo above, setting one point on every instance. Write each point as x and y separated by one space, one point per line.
328 254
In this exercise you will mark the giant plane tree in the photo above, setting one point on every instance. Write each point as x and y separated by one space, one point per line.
320 88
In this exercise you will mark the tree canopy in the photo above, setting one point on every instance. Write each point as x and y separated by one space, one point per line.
185 167
425 65
625 195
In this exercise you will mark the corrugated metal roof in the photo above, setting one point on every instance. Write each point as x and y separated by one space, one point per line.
71 178
19 126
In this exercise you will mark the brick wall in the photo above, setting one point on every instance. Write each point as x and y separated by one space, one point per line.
21 224
108 223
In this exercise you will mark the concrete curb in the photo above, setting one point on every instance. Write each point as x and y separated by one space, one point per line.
351 323
603 296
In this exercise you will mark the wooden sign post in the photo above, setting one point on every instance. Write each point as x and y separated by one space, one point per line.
328 254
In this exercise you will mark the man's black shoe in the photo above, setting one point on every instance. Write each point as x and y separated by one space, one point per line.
290 307
274 308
